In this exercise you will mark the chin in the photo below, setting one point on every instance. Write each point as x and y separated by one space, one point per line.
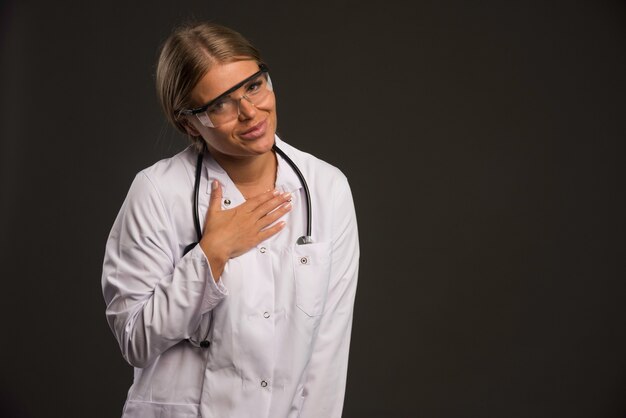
261 145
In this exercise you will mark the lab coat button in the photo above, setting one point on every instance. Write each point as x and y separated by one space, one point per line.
226 202
304 260
266 314
262 249
263 383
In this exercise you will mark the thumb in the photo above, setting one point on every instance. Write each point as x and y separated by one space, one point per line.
216 197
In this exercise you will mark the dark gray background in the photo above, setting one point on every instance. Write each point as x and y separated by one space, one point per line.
484 142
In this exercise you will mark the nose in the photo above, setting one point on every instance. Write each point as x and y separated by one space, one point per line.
245 108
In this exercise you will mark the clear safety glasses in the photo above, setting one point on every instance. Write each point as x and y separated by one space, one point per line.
225 107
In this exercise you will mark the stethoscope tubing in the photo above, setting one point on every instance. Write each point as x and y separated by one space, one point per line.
307 194
306 239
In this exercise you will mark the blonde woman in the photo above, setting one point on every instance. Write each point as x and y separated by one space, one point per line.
230 272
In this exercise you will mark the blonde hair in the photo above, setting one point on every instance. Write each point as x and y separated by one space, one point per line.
186 56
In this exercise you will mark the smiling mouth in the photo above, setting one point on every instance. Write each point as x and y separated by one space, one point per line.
256 131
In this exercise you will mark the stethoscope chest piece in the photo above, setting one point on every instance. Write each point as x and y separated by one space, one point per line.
305 239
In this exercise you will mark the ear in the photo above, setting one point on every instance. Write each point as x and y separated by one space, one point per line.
189 127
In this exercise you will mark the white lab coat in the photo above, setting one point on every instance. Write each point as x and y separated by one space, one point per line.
278 319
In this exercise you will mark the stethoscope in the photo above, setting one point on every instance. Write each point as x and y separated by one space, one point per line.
305 239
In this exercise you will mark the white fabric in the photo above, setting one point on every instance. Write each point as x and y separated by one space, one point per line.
279 318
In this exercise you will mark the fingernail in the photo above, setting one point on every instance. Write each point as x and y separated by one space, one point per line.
214 185
288 206
275 192
287 196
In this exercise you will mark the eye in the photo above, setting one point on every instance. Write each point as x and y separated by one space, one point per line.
217 107
254 87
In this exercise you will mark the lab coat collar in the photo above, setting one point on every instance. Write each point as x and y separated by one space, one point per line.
286 178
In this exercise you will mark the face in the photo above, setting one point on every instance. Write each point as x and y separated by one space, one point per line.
252 133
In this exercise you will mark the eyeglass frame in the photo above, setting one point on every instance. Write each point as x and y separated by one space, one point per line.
188 112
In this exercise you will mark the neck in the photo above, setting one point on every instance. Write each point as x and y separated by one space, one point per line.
250 172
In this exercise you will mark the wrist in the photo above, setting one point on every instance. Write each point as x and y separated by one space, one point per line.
212 252
216 257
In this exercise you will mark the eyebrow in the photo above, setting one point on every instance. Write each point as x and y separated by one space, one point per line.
246 85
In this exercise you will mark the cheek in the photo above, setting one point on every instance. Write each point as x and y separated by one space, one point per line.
269 105
271 108
215 137
273 113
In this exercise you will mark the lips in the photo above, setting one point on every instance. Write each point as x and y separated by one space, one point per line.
255 132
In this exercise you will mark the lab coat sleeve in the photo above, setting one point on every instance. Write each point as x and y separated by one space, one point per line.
325 382
153 300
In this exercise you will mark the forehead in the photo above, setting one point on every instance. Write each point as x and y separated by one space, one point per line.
220 78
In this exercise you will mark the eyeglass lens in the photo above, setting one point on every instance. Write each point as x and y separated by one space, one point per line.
226 109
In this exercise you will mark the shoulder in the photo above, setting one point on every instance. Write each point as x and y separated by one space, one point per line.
163 181
330 192
173 171
312 166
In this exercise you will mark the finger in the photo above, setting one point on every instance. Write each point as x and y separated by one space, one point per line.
266 207
275 215
216 197
259 199
272 230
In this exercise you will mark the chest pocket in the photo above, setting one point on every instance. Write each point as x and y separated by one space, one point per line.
311 264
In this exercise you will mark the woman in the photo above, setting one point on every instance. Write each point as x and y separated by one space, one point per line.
243 317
